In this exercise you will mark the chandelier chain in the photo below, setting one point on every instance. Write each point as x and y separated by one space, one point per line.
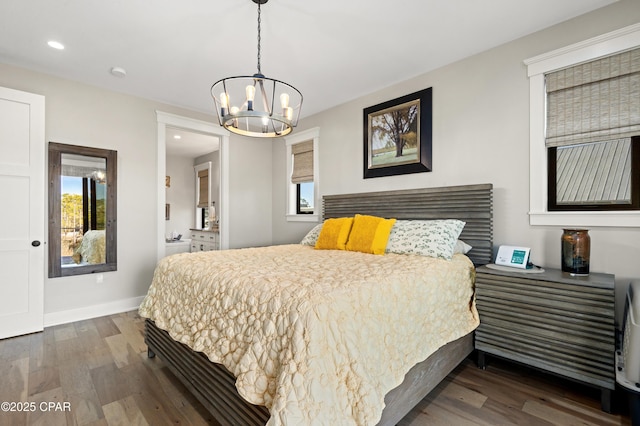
259 21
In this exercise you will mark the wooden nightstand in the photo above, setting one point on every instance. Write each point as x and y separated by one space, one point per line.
551 321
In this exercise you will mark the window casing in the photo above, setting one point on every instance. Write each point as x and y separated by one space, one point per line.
297 185
540 214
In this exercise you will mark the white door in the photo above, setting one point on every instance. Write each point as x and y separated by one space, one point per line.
22 248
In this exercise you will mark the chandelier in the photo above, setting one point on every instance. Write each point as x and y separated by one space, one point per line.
256 105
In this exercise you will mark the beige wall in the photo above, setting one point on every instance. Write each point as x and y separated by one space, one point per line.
181 195
480 134
250 203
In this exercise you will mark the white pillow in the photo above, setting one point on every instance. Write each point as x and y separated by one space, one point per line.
462 247
434 238
312 236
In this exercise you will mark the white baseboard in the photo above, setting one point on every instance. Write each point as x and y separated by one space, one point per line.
95 311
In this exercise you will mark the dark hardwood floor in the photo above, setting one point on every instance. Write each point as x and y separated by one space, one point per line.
96 372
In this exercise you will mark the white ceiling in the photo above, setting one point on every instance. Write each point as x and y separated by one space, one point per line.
181 143
331 50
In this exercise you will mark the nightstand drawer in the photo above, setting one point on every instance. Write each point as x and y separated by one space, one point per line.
552 321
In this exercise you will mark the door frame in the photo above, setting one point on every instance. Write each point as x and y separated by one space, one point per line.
190 124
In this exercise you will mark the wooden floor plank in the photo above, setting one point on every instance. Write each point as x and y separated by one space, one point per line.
118 346
15 348
43 379
100 367
124 412
132 329
49 415
43 353
455 391
552 415
586 412
15 380
96 349
110 383
80 392
65 332
105 326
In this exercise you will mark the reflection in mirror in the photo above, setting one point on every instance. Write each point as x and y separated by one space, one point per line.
82 210
83 184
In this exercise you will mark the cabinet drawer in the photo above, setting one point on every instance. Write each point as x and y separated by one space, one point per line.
203 246
547 322
581 348
570 365
204 241
541 295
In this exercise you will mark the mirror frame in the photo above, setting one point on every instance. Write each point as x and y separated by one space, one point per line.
55 167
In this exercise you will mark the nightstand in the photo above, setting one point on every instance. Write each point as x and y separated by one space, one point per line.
551 321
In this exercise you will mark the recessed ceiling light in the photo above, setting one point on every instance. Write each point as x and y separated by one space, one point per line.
55 44
177 137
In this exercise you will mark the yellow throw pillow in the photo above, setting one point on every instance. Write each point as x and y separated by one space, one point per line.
369 234
334 234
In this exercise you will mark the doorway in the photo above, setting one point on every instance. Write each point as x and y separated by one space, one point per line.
168 126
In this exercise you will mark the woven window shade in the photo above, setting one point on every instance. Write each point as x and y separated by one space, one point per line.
302 162
83 171
203 196
594 101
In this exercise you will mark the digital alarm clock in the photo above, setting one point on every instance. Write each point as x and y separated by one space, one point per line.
517 257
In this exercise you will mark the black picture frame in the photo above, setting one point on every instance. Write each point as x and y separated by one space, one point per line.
408 118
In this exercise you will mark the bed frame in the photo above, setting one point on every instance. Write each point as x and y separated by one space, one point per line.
215 387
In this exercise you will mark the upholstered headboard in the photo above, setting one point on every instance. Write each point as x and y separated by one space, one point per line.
472 204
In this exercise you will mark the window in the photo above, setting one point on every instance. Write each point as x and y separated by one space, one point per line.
593 110
302 176
304 198
204 203
203 188
597 176
584 128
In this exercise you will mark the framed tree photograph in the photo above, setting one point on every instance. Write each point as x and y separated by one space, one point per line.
397 136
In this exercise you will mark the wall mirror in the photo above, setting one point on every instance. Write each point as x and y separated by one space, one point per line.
82 210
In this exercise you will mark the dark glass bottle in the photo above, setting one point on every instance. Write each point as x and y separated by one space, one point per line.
576 248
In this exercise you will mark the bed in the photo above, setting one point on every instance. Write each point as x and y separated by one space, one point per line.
91 249
288 372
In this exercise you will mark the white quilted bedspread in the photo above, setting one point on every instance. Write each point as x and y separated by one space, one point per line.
316 336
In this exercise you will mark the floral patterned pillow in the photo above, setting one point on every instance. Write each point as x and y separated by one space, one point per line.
312 236
433 238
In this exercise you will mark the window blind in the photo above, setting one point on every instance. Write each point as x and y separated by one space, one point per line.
203 184
594 101
302 162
